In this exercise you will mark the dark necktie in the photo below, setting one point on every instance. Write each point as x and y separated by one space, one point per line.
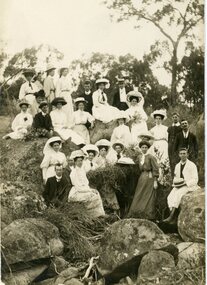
102 96
91 164
118 156
181 170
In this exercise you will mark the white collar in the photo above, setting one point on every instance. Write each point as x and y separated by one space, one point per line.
44 114
58 177
87 92
177 124
182 163
186 133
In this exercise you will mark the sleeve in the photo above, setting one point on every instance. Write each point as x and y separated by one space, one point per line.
155 166
45 162
166 134
90 118
15 123
30 120
55 121
113 136
46 86
22 92
65 163
73 178
193 176
95 97
58 88
50 123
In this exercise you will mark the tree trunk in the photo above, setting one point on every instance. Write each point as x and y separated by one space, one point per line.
173 92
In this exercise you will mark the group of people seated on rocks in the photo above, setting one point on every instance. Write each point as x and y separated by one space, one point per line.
48 111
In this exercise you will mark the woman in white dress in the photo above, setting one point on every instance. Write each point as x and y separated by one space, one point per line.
21 123
81 191
103 147
160 146
81 119
136 114
59 122
122 132
89 163
52 156
101 110
63 88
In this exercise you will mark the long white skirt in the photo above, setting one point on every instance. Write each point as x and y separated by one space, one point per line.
68 108
105 113
65 134
91 199
137 129
82 131
18 134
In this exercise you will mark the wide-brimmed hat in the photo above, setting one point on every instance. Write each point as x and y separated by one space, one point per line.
48 147
144 143
40 93
50 67
118 143
178 182
28 72
103 142
125 160
102 80
146 134
58 100
42 104
77 153
54 139
122 115
90 148
161 113
23 102
135 94
80 99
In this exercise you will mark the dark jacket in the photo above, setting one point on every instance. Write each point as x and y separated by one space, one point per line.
190 143
172 132
89 99
42 122
56 193
116 99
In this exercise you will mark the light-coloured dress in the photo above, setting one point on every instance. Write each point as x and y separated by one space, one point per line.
20 124
80 118
121 133
49 88
81 192
160 135
101 161
101 109
59 122
27 91
63 88
89 165
50 160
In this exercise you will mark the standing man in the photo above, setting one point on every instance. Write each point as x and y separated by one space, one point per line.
49 86
56 188
87 95
173 130
186 139
120 96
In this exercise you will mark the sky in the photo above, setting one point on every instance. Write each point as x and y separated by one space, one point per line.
75 27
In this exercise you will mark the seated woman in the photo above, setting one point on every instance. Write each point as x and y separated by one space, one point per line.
22 122
89 163
143 204
81 192
81 119
59 122
103 147
137 115
101 109
52 156
121 132
42 121
160 134
116 152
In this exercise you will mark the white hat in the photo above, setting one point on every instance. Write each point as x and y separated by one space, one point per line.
134 93
50 67
90 147
23 102
161 113
118 143
77 153
80 99
122 115
125 160
178 182
48 147
146 134
102 80
103 142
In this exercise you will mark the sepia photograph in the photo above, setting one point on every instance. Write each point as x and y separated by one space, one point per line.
102 142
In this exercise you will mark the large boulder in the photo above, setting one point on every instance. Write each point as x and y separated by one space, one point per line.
191 220
154 263
191 255
30 239
124 244
101 131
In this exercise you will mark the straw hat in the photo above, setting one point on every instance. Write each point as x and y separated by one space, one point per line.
161 113
102 80
23 102
125 160
90 147
103 142
118 143
58 100
178 182
80 99
77 153
28 72
50 67
135 94
146 134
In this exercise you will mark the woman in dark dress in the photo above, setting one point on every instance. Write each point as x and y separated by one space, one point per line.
143 204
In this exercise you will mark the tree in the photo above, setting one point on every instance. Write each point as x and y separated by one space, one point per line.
174 19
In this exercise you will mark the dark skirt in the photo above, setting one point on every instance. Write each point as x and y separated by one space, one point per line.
143 204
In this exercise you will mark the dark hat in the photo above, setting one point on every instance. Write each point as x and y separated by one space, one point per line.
144 143
42 104
40 93
58 100
118 143
175 113
28 72
120 80
23 102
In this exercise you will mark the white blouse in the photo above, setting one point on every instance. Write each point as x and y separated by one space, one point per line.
26 89
98 96
59 119
62 85
159 132
121 133
137 110
87 165
81 117
22 121
53 158
79 179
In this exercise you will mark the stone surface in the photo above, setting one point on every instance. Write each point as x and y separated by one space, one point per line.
58 264
124 244
101 131
191 255
191 220
154 262
30 239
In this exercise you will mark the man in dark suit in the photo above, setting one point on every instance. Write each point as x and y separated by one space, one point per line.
57 188
173 130
186 139
120 100
87 95
42 121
